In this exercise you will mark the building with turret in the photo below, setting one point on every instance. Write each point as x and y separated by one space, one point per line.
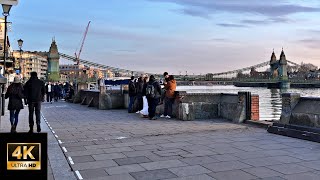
53 62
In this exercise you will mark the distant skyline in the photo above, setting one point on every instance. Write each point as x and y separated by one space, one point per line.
197 36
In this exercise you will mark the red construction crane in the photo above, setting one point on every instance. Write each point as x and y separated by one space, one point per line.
82 42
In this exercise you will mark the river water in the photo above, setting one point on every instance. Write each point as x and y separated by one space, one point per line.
269 99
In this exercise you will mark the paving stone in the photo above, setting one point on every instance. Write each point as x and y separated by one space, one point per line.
163 164
76 148
99 157
84 153
225 157
132 160
137 153
81 159
145 147
268 161
93 173
225 166
189 170
199 160
94 165
174 145
232 175
124 169
289 168
154 174
87 143
286 159
118 150
101 146
160 141
154 157
311 164
115 177
303 176
196 177
128 144
262 172
171 152
273 178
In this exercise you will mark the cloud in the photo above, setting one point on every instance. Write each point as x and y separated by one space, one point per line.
266 21
232 25
312 43
270 8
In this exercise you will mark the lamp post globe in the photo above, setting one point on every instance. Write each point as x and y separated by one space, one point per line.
20 43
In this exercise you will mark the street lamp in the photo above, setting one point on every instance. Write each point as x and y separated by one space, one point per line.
20 42
6 9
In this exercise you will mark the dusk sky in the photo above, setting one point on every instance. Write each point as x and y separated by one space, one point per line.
198 36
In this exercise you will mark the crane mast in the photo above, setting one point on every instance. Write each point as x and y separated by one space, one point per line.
82 43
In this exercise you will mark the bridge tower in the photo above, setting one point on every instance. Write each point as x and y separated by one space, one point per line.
273 66
53 62
283 66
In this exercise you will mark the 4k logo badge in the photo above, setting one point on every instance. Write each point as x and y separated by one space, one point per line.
23 156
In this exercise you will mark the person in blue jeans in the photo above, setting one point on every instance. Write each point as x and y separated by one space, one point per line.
15 95
132 94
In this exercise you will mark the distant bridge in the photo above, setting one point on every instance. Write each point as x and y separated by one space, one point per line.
228 74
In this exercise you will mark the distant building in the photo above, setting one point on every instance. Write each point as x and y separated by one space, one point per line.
27 62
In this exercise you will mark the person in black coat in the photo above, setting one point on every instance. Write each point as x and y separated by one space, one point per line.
34 91
15 95
152 101
132 94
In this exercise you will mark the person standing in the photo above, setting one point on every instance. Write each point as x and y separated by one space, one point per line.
139 99
132 94
170 88
49 92
15 95
166 79
152 91
34 90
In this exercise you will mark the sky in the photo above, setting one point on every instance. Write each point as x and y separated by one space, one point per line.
178 36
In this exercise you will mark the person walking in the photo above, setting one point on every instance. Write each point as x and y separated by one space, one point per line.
15 95
170 88
153 94
49 92
34 90
132 94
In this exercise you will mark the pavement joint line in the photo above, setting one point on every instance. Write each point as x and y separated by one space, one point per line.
64 149
70 159
78 174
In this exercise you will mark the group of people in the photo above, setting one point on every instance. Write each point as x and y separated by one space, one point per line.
147 94
33 93
56 91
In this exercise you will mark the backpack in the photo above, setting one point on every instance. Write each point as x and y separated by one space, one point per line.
150 91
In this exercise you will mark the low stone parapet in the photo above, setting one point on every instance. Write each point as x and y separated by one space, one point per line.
187 106
303 111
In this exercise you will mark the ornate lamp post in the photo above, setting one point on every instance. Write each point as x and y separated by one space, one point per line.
20 42
6 9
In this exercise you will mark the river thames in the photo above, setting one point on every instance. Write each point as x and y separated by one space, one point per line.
269 99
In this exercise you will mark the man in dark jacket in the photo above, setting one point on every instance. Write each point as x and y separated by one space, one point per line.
152 97
132 94
34 91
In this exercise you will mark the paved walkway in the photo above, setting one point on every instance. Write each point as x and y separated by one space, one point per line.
58 168
112 144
